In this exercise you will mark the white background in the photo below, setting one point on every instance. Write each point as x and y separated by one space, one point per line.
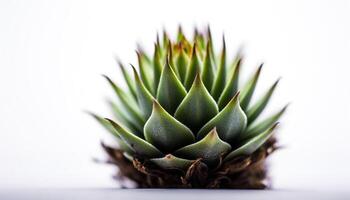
53 52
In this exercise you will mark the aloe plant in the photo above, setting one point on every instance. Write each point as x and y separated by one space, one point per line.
185 103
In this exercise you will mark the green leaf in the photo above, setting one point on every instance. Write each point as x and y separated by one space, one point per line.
208 69
157 66
248 89
198 107
166 40
111 130
210 41
128 80
145 98
129 104
252 145
230 122
170 59
210 148
259 106
180 34
259 127
170 91
140 146
199 39
193 68
182 63
104 123
231 87
124 117
165 132
220 79
172 162
145 70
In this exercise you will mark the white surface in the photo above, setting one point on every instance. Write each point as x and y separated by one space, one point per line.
53 52
171 194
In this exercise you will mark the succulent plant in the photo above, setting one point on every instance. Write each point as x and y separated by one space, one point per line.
184 105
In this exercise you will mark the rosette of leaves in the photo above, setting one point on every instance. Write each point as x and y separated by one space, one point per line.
184 120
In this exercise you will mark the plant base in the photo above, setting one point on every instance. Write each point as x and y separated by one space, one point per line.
248 172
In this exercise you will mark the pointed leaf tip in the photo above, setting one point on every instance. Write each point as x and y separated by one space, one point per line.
261 126
252 144
140 146
249 88
210 148
198 107
165 132
172 162
170 90
193 68
254 111
230 121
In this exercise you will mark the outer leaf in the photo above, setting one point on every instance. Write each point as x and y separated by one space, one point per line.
170 91
140 146
220 79
128 80
255 129
248 90
230 122
145 70
231 87
210 148
165 132
144 97
197 108
111 130
259 106
129 104
193 68
252 145
124 117
157 66
208 69
181 63
172 162
104 123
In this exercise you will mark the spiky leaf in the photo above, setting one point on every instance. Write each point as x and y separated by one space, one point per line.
259 127
254 111
170 91
230 122
231 88
197 108
144 97
208 69
181 63
210 148
220 78
157 66
251 145
248 89
165 132
140 146
128 80
145 70
128 103
193 68
124 117
172 162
